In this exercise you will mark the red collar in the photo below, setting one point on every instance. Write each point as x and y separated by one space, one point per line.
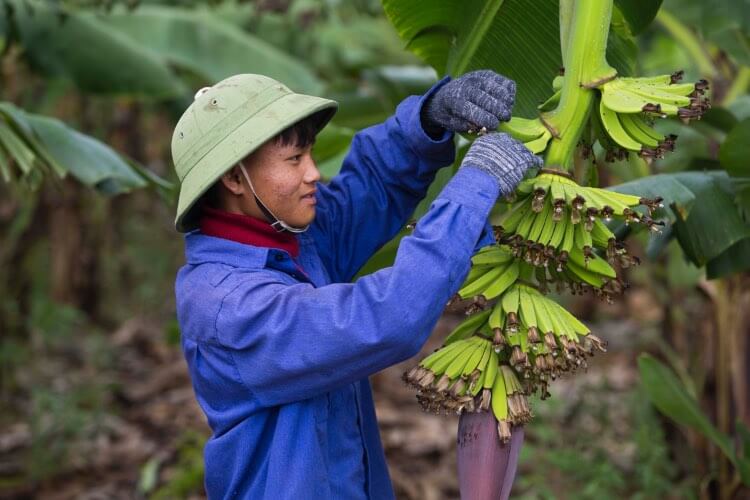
246 229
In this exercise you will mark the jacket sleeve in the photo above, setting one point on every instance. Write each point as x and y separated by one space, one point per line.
293 342
384 176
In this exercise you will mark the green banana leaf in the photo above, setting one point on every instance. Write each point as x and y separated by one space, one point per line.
331 146
743 462
78 46
136 52
669 396
207 46
734 153
704 218
39 145
517 38
638 13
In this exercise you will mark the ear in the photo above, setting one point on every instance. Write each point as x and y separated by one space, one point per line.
232 180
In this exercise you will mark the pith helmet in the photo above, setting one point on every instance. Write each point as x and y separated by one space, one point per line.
228 121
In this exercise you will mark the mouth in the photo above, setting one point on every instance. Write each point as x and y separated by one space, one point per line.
310 197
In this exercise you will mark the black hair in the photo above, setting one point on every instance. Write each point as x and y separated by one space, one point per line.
301 133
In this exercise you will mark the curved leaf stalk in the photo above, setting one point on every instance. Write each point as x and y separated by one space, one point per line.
584 57
689 41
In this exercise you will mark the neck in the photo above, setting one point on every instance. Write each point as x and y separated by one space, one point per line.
246 229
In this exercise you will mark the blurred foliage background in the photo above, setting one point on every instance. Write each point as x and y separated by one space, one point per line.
94 396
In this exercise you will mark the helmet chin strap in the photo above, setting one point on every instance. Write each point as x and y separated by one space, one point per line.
276 223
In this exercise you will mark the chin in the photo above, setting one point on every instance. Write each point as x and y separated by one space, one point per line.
303 220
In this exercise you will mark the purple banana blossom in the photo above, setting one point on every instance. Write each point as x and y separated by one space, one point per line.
486 466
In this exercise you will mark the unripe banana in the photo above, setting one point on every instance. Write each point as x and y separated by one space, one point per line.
468 327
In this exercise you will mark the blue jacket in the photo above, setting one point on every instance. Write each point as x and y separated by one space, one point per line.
279 359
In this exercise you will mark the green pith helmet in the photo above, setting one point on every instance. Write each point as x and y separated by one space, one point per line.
227 122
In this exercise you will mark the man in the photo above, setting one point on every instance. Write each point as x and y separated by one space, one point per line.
279 343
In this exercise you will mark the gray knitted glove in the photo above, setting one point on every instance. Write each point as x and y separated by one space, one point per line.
503 157
477 99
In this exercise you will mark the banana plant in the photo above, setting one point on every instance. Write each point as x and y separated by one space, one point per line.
556 232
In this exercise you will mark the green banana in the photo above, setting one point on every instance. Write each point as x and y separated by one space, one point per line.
497 316
559 230
569 237
476 357
600 234
499 399
578 273
477 286
492 366
541 220
523 129
495 256
505 280
455 368
528 315
510 300
524 227
575 323
582 238
478 385
652 94
440 367
634 130
467 327
625 100
614 128
593 263
436 356
548 230
539 144
517 214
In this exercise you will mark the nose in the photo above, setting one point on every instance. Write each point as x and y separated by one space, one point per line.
312 174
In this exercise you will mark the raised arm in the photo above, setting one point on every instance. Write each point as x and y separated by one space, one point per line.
385 175
391 165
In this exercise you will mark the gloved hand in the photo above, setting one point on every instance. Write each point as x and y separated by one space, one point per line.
503 157
477 99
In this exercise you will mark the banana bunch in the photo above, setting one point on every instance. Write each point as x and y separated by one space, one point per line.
627 107
542 338
530 131
468 375
559 225
524 334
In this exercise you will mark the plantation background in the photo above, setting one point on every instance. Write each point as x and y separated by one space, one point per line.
95 401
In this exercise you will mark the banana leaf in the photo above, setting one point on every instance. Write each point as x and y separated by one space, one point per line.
638 13
734 153
207 46
77 46
137 52
705 220
517 38
669 396
39 145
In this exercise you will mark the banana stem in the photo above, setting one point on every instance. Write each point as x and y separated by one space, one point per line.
584 56
566 15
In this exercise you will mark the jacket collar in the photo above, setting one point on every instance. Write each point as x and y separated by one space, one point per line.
247 230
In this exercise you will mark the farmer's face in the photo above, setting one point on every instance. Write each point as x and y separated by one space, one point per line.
284 178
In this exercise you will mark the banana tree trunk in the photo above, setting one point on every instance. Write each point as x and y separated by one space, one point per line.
486 467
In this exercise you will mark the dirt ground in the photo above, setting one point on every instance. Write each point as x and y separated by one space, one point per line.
141 444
